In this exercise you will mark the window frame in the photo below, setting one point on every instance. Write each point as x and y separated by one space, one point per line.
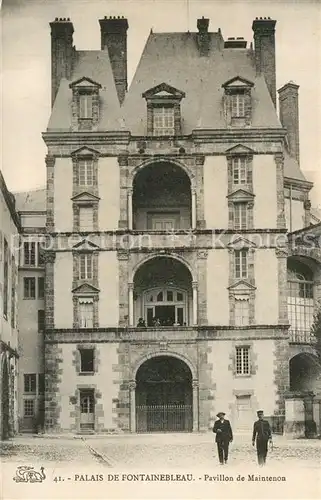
86 207
242 361
243 257
31 279
82 301
240 220
86 263
30 383
81 351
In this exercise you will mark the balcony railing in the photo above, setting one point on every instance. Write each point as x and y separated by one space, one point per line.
302 337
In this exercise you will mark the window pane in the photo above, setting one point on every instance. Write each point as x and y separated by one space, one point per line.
86 315
242 361
41 288
169 296
29 408
241 312
30 382
86 360
85 266
29 253
163 120
41 320
29 287
85 175
85 106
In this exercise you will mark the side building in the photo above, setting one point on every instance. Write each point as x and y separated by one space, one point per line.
9 262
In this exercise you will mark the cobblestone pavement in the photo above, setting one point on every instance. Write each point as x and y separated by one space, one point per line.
167 451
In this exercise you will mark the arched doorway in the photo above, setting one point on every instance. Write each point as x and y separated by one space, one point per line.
164 396
162 198
305 373
5 405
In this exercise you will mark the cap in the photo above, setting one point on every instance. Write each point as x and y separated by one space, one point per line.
220 413
260 412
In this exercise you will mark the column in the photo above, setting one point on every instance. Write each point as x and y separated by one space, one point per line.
130 208
131 304
195 302
195 406
194 209
132 405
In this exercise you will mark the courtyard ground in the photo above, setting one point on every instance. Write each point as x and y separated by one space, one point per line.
157 450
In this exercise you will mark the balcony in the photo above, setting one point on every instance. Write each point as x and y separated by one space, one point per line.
302 337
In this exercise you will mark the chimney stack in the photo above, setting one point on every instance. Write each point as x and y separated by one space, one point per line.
264 45
203 37
114 39
289 116
61 53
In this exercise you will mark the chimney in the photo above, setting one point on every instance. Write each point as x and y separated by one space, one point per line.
264 45
289 116
203 37
114 39
61 53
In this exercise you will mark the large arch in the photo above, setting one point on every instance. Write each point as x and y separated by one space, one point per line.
164 395
152 161
163 293
5 399
161 197
305 373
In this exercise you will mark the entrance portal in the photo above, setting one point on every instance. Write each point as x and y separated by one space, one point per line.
164 396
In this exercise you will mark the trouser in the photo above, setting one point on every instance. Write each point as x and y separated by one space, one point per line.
222 449
262 449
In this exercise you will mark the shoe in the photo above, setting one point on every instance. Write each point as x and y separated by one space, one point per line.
221 463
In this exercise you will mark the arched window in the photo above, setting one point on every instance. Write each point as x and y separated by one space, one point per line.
165 307
300 299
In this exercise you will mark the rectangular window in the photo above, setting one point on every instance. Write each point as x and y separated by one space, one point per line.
41 259
41 288
30 383
85 266
86 360
300 309
85 106
240 215
5 278
86 219
29 408
240 171
29 288
240 262
86 172
86 313
41 320
163 120
241 312
29 251
41 383
238 105
242 361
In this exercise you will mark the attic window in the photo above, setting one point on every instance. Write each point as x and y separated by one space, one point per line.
85 104
163 110
238 101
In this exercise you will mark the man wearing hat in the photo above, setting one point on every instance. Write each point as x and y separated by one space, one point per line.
262 434
224 436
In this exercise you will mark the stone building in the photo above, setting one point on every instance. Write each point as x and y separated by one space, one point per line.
9 252
168 211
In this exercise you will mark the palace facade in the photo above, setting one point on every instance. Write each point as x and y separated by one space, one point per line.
179 278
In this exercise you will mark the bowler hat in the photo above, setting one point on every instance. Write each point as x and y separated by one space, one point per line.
220 413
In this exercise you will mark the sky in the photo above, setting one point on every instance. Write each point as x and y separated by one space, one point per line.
26 63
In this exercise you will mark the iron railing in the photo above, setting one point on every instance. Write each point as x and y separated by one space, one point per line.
164 418
302 337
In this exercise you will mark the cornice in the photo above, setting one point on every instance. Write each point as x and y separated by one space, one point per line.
88 138
299 183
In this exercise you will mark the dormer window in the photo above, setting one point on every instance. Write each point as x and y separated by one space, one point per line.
238 101
85 104
238 105
163 120
163 110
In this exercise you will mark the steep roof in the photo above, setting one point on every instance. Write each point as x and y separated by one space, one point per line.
174 58
93 64
291 168
29 201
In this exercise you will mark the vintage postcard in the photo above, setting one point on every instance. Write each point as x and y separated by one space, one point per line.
160 249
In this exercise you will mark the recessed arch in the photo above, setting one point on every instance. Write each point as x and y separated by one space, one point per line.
153 161
162 293
170 353
305 372
164 395
171 255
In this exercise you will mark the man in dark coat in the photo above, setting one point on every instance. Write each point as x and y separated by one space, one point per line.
224 436
262 434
